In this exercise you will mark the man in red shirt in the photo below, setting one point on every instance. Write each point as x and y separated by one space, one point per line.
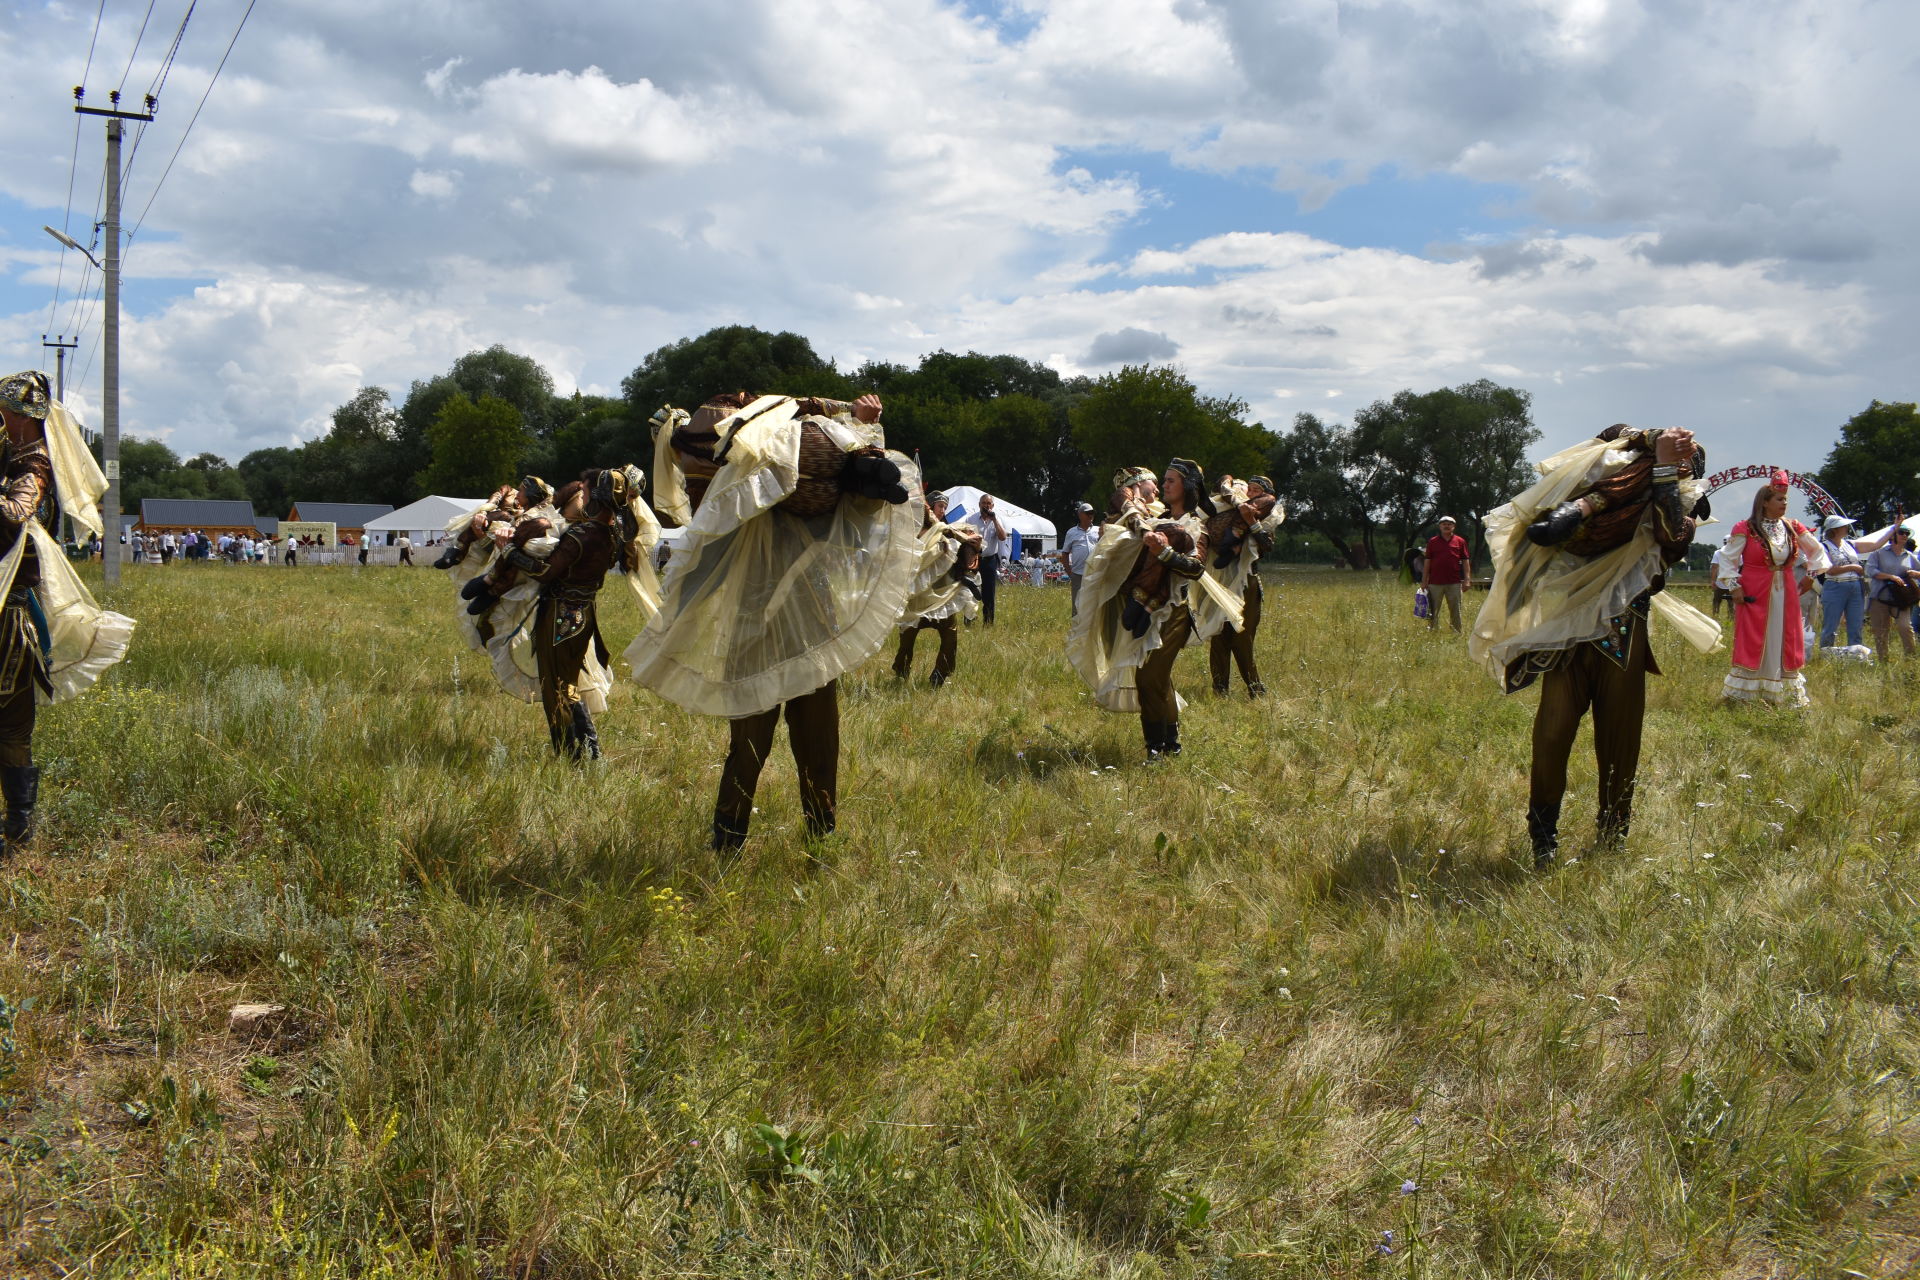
1449 565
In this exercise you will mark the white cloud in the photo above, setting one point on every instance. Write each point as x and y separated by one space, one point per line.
1717 211
435 184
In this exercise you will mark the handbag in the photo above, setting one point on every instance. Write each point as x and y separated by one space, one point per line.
1422 604
1902 594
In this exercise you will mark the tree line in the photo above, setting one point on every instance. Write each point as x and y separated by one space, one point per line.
1357 493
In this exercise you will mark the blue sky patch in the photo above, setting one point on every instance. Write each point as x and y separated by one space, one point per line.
1387 211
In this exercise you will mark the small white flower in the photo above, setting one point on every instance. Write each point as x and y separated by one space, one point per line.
1708 855
1775 827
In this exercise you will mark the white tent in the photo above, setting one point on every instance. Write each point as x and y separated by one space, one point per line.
963 500
424 520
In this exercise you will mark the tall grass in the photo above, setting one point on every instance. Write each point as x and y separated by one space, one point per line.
1291 1006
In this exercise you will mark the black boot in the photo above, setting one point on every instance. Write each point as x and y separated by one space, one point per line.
1543 827
937 679
727 837
1155 734
1255 689
21 785
479 595
452 556
584 739
1221 691
1170 738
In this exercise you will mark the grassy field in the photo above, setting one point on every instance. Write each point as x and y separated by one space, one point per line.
1292 1006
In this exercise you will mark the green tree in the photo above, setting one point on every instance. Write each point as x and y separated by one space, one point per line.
270 476
1458 450
368 418
1145 414
734 357
1312 468
474 445
221 480
519 381
1871 470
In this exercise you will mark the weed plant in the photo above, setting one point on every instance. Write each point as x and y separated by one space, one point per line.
1293 1005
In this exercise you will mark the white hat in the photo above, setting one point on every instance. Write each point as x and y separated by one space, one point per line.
1834 522
1448 520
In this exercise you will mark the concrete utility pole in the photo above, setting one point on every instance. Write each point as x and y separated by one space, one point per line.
110 334
60 349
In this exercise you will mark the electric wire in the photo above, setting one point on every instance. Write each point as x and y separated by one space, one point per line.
158 83
142 219
119 88
73 170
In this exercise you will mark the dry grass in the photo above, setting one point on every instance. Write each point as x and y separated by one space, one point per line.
1037 1011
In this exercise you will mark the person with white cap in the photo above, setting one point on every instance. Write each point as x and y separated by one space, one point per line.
1077 546
1843 594
1449 568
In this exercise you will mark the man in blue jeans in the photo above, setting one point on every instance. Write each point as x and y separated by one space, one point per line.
993 551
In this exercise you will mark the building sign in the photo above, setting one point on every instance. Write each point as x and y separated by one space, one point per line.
313 532
1821 500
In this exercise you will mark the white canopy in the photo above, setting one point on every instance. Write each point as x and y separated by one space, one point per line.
424 520
964 499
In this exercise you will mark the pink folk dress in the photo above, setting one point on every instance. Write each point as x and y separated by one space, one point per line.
1769 639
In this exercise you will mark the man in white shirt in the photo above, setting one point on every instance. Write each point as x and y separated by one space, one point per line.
994 540
1077 546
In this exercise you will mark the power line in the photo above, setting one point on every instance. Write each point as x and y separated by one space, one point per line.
142 219
73 170
159 82
136 49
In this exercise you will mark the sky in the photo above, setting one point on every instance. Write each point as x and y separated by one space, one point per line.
1694 213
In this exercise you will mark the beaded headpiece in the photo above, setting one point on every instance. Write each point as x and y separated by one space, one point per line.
27 393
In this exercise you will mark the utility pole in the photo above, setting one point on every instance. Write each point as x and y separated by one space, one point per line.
60 349
110 335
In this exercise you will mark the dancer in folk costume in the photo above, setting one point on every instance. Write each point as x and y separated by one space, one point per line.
1758 565
531 624
1241 532
608 526
1580 561
802 545
1135 613
54 640
949 553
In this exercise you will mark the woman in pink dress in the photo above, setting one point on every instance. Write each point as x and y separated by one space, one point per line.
1757 564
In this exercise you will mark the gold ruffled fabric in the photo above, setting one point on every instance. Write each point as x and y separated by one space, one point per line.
1105 654
86 639
1544 599
935 592
507 639
760 606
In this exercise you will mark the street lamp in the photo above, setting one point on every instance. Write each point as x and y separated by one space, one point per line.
71 243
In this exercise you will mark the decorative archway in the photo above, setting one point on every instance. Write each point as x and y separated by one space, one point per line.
1822 501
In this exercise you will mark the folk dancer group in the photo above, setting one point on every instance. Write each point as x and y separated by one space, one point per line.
808 543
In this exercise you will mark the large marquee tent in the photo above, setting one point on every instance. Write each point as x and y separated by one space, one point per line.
964 499
422 521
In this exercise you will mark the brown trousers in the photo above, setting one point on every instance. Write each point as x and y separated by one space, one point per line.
16 726
19 666
1235 644
1618 697
943 662
1155 681
557 667
813 732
